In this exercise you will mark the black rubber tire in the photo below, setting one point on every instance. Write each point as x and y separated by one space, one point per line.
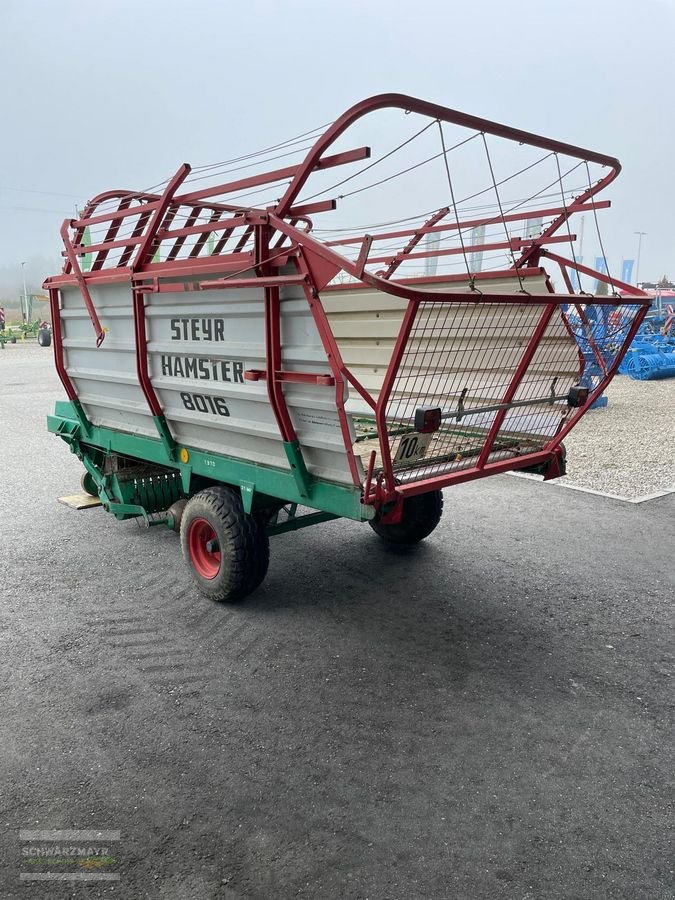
243 544
421 514
44 337
88 484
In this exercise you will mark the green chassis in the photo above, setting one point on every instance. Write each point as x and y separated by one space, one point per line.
184 473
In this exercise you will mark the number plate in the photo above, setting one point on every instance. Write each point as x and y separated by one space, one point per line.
412 446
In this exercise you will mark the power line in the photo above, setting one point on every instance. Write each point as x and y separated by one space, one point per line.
43 193
38 209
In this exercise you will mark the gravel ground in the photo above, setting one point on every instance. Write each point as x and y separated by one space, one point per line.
628 448
488 717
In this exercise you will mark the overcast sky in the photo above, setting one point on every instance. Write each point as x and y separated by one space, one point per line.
117 94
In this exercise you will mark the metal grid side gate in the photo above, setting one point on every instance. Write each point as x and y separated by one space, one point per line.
499 373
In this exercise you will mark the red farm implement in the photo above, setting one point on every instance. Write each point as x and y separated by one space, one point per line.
237 345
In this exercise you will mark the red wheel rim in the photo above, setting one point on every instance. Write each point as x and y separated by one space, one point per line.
206 562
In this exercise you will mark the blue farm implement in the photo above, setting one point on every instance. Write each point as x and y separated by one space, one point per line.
651 355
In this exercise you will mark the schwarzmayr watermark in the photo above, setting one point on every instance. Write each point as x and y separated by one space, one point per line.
68 855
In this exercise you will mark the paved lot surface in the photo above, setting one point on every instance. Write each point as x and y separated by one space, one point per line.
487 717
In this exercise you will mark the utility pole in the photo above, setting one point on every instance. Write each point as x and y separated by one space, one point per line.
24 305
640 235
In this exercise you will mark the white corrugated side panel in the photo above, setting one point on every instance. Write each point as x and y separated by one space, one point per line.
201 342
366 324
105 378
312 408
199 345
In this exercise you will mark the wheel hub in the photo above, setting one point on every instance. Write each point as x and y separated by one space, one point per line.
204 548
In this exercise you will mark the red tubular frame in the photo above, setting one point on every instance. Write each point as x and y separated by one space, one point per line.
443 114
265 240
82 284
513 244
142 354
523 216
385 393
57 336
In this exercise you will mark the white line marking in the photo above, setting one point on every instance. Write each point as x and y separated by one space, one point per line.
585 490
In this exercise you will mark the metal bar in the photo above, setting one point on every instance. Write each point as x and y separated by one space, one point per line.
293 377
307 209
401 288
110 235
145 248
295 523
444 114
414 241
462 278
144 379
531 254
369 477
262 281
81 250
438 482
273 342
566 278
462 412
334 357
58 345
329 162
180 234
183 268
243 240
59 361
518 298
518 376
471 223
204 236
82 284
136 237
512 244
222 240
283 237
171 214
387 385
106 276
142 354
118 215
588 333
600 276
148 203
611 371
79 233
178 269
363 254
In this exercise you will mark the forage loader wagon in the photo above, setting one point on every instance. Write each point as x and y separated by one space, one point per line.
340 324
